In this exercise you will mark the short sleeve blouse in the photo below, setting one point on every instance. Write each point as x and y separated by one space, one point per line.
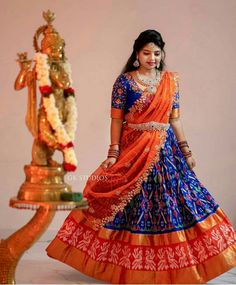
119 97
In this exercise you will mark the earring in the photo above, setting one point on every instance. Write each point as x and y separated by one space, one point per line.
136 63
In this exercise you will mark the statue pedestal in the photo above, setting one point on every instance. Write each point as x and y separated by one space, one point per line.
43 183
12 248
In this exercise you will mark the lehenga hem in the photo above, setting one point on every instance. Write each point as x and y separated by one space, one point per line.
200 273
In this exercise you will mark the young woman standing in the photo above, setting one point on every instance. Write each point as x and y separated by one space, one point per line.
150 220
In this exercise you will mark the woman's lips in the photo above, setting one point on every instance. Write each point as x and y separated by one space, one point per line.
151 63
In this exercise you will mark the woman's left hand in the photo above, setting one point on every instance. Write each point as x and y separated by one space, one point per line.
191 162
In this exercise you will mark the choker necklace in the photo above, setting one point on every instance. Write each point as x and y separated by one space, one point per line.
149 83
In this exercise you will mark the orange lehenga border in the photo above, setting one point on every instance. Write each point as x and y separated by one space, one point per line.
195 255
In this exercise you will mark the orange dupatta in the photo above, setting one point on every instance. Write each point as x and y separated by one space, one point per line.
114 187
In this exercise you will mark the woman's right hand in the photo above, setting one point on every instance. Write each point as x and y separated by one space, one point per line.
109 162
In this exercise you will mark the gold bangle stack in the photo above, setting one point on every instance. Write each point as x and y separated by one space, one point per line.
183 144
113 152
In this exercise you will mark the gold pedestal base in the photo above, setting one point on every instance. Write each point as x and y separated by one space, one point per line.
14 246
43 183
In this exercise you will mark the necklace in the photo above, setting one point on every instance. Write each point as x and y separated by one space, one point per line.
150 83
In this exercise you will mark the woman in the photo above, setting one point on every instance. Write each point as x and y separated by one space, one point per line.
150 220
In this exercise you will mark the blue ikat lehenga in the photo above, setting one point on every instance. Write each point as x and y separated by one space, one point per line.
171 200
172 230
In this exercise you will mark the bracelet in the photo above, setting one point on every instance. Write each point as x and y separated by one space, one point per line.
183 147
183 143
109 156
113 153
187 151
187 154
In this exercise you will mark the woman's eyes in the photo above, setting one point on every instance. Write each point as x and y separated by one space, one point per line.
156 54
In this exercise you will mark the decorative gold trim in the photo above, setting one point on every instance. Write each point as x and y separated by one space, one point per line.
149 126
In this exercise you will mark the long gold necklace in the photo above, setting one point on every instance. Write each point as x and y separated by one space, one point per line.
150 83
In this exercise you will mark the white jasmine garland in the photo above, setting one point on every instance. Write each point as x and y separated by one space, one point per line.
71 115
67 69
65 133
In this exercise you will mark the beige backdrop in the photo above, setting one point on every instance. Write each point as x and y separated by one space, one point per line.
200 45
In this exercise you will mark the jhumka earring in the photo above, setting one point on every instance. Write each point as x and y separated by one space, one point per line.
136 63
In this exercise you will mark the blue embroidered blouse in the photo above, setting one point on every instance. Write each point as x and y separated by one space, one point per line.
126 91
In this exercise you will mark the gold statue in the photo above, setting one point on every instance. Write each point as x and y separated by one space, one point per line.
53 125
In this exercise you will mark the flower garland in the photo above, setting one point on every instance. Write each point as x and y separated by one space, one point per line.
64 133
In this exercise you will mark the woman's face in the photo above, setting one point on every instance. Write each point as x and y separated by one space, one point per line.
149 56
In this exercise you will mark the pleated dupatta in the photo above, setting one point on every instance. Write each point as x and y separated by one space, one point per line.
109 190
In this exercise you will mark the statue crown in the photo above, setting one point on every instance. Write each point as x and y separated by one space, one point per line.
51 37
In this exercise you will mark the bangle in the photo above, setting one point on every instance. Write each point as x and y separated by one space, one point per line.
186 151
182 148
179 142
112 156
183 143
113 153
187 154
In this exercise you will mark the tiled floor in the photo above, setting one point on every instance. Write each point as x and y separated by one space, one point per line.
36 268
